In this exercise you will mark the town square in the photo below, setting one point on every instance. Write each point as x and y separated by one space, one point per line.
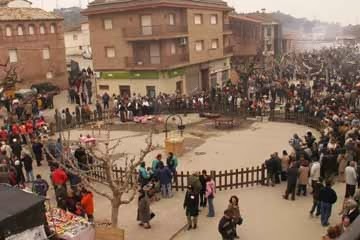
179 120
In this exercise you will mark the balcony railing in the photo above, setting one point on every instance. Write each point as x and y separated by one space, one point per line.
156 62
228 50
157 31
227 28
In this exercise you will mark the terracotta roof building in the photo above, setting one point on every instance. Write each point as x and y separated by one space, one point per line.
32 40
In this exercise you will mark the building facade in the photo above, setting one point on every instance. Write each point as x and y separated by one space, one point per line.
152 46
31 41
77 45
271 33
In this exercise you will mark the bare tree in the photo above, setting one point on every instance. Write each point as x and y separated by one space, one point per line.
117 191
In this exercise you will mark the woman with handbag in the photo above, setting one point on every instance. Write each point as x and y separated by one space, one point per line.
210 195
234 208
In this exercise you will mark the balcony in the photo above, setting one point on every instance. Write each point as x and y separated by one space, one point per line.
155 32
229 50
156 63
227 28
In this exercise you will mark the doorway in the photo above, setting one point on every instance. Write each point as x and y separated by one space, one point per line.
179 87
124 91
205 79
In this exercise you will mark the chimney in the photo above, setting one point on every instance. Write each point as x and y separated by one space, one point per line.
263 10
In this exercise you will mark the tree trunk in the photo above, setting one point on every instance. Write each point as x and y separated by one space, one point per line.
115 205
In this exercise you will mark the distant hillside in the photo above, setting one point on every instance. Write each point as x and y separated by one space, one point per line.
353 30
72 17
293 24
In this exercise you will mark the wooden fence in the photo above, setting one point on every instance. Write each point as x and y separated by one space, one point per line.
224 180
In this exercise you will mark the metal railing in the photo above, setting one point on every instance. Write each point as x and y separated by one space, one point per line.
157 61
154 30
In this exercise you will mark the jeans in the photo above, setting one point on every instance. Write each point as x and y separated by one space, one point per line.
192 221
29 176
211 207
301 188
166 190
325 213
271 177
290 190
202 199
316 205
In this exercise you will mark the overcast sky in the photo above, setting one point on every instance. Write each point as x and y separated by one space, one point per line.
343 11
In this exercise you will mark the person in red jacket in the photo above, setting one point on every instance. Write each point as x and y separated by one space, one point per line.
22 130
29 128
3 134
87 203
15 129
59 177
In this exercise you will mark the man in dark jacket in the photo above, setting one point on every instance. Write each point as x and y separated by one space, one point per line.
292 176
27 160
191 206
202 179
164 176
40 186
37 148
226 226
317 186
327 198
272 169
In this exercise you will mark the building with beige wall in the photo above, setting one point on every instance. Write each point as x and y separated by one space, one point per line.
153 46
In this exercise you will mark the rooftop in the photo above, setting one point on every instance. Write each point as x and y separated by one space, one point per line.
244 18
25 14
106 6
263 17
6 2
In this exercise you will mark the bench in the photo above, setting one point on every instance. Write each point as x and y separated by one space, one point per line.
224 123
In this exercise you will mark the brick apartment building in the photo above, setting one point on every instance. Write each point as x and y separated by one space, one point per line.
153 46
32 40
247 36
271 33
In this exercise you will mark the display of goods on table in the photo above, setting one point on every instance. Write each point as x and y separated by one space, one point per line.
65 224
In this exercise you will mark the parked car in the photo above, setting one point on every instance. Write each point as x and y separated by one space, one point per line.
25 94
46 87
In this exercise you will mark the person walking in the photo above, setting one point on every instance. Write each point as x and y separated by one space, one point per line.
292 176
327 198
172 162
40 186
164 176
316 198
143 212
304 171
202 179
27 160
191 206
350 179
226 226
315 173
342 164
20 178
285 162
37 148
210 195
235 212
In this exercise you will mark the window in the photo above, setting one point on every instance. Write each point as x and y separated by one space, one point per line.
268 31
198 19
107 24
75 37
52 28
110 52
42 29
172 49
49 75
20 31
104 87
13 55
171 19
214 43
213 19
199 46
150 91
46 53
8 31
31 30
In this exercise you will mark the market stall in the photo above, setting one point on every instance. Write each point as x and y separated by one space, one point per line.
22 214
68 226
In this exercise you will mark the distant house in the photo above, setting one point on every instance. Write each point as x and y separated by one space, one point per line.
15 3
